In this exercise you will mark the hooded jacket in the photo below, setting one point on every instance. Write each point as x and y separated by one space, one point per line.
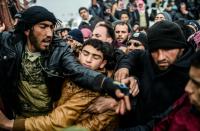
158 89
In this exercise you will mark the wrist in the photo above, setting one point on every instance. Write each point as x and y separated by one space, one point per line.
9 124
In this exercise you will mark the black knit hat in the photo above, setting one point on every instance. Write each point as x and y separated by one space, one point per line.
165 35
140 36
34 15
77 35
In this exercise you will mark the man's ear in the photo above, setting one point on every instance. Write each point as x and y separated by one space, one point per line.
27 32
104 62
79 55
109 40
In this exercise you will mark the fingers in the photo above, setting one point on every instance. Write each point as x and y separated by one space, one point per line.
127 103
132 84
121 74
119 94
124 103
134 88
121 107
135 91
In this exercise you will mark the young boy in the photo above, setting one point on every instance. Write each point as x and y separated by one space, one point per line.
71 107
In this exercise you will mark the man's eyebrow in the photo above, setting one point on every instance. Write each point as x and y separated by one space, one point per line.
86 51
45 24
92 53
195 82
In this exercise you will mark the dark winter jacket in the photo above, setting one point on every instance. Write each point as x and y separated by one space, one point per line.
158 90
57 63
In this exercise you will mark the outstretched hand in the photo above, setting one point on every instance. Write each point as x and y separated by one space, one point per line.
121 74
5 123
2 27
124 102
132 83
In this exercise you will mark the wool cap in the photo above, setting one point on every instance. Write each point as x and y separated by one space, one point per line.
165 35
140 36
34 15
77 35
86 32
166 15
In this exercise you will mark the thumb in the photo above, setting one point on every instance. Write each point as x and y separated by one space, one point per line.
119 94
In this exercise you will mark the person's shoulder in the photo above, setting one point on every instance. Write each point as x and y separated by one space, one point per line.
5 36
57 41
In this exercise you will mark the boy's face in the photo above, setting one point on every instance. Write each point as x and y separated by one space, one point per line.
91 58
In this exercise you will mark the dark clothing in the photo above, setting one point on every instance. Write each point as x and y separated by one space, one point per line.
90 24
158 90
183 117
181 16
57 63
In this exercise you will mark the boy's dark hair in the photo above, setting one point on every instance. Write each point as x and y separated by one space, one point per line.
105 48
195 61
82 8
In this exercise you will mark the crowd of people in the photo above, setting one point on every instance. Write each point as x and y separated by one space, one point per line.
124 68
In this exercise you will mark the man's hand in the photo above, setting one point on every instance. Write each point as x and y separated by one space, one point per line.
119 91
132 83
5 123
102 104
124 49
124 102
121 74
2 27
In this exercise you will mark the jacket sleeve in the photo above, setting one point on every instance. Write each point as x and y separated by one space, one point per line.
131 60
73 101
97 122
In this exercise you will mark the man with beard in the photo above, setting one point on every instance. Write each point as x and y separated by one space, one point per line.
162 73
34 64
122 30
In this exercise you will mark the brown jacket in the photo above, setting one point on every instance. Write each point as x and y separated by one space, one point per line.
69 111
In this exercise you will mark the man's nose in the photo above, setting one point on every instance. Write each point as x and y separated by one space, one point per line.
188 87
161 54
89 59
49 32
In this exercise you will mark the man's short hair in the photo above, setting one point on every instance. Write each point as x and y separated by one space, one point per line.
124 12
110 30
122 23
82 8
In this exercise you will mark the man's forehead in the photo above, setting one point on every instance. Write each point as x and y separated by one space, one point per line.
121 27
90 49
83 10
45 23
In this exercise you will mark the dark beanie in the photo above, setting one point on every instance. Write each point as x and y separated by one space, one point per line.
34 15
77 35
165 35
140 36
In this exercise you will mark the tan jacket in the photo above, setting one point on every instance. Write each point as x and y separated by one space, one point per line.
69 111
